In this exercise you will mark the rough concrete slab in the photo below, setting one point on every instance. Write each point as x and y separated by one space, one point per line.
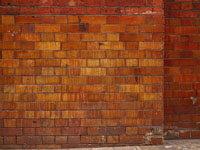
168 145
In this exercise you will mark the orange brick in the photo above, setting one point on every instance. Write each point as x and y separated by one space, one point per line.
7 20
8 54
113 114
74 62
112 37
93 63
27 54
48 80
93 89
112 62
150 46
151 62
9 63
132 28
27 89
47 37
74 28
131 62
9 88
74 80
74 97
47 45
74 36
28 71
151 28
28 46
74 46
7 37
93 71
9 123
47 89
60 19
73 19
47 114
47 28
93 37
92 123
150 96
60 37
47 54
132 20
28 80
74 114
93 19
131 113
112 54
92 54
47 71
60 54
112 28
132 88
113 139
151 80
131 130
48 97
27 37
10 28
112 45
93 139
10 46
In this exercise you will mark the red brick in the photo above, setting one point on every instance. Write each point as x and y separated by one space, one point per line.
74 139
9 11
92 3
9 140
61 140
11 131
47 19
73 11
27 2
29 140
48 131
131 3
93 19
74 131
48 139
132 37
27 19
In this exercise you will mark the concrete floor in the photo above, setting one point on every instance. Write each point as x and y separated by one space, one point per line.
169 145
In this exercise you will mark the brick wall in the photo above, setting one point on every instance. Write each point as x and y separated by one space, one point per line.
182 60
81 73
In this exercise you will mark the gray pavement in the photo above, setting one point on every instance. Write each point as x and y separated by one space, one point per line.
168 145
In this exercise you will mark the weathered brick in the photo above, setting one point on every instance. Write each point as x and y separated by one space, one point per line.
47 45
47 28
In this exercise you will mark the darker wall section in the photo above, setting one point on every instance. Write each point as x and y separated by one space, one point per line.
182 59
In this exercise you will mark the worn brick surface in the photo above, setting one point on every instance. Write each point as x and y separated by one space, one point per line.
86 73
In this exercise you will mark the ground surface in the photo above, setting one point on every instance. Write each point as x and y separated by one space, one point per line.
169 145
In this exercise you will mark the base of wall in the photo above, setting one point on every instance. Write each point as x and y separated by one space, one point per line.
170 134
